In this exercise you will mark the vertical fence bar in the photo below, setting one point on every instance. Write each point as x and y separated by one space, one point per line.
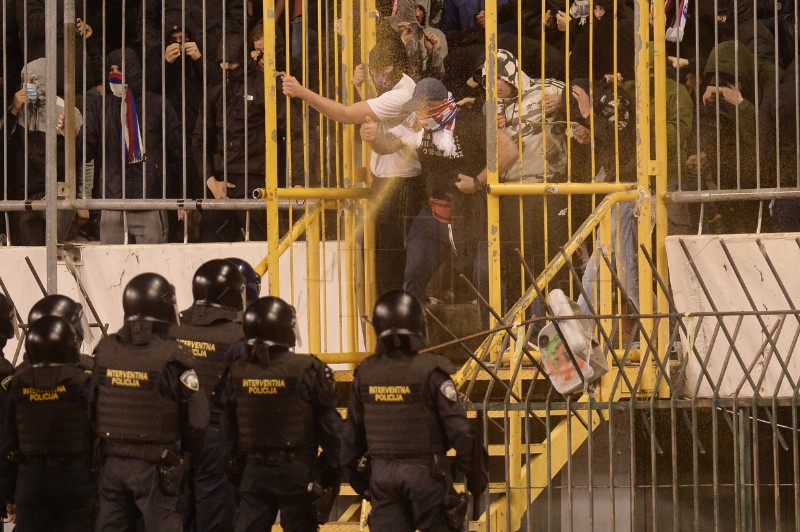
271 125
51 168
69 98
492 176
314 281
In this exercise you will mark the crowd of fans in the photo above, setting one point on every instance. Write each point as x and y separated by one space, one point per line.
171 105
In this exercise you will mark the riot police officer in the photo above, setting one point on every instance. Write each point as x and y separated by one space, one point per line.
251 278
404 412
209 328
149 413
45 454
8 327
63 307
278 409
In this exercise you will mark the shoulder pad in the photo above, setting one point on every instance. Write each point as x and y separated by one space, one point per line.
190 380
6 383
442 364
182 354
448 390
323 370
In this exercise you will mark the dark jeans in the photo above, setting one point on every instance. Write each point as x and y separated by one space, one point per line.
427 247
405 497
49 498
129 492
29 227
265 490
213 494
398 202
230 226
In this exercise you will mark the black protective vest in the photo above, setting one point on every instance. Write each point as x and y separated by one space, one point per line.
269 410
398 417
49 415
209 345
130 402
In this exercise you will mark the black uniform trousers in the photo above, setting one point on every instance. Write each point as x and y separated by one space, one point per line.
405 496
214 500
265 490
51 494
129 491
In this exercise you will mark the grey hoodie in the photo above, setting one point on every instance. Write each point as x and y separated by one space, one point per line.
35 119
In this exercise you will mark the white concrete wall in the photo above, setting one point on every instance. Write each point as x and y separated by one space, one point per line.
105 270
728 295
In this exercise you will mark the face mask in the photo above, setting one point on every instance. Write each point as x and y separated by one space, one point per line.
118 88
440 116
32 91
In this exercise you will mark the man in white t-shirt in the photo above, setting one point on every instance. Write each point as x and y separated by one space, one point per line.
399 192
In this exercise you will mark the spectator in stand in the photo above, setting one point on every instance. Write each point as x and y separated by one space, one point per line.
603 43
26 128
426 46
778 123
613 121
203 20
450 143
460 15
183 84
398 189
129 158
235 147
727 116
524 112
32 26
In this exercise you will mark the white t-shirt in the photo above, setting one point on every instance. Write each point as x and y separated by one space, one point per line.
387 107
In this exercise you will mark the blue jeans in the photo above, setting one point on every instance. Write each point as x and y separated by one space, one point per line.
428 245
623 257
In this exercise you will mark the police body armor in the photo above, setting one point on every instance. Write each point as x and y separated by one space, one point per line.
209 341
398 419
50 419
130 403
269 410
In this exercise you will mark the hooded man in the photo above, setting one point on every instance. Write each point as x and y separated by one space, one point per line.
603 42
128 150
232 158
527 108
27 154
426 46
451 146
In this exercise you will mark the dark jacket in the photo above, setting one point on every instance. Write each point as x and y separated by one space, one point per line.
211 28
603 47
234 131
32 26
140 178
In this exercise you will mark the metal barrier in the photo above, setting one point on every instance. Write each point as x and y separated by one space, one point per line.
632 450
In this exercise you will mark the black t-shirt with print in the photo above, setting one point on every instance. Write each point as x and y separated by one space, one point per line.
440 172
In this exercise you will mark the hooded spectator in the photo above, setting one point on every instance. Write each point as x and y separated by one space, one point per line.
129 149
203 20
232 162
27 154
603 42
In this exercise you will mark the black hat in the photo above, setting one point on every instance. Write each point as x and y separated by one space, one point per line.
398 312
61 306
271 320
219 283
150 297
51 340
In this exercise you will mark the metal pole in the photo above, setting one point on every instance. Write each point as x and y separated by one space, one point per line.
270 123
51 168
69 98
492 175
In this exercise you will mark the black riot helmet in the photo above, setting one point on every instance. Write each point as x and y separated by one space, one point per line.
150 297
251 278
271 320
399 313
61 306
219 283
51 340
7 322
